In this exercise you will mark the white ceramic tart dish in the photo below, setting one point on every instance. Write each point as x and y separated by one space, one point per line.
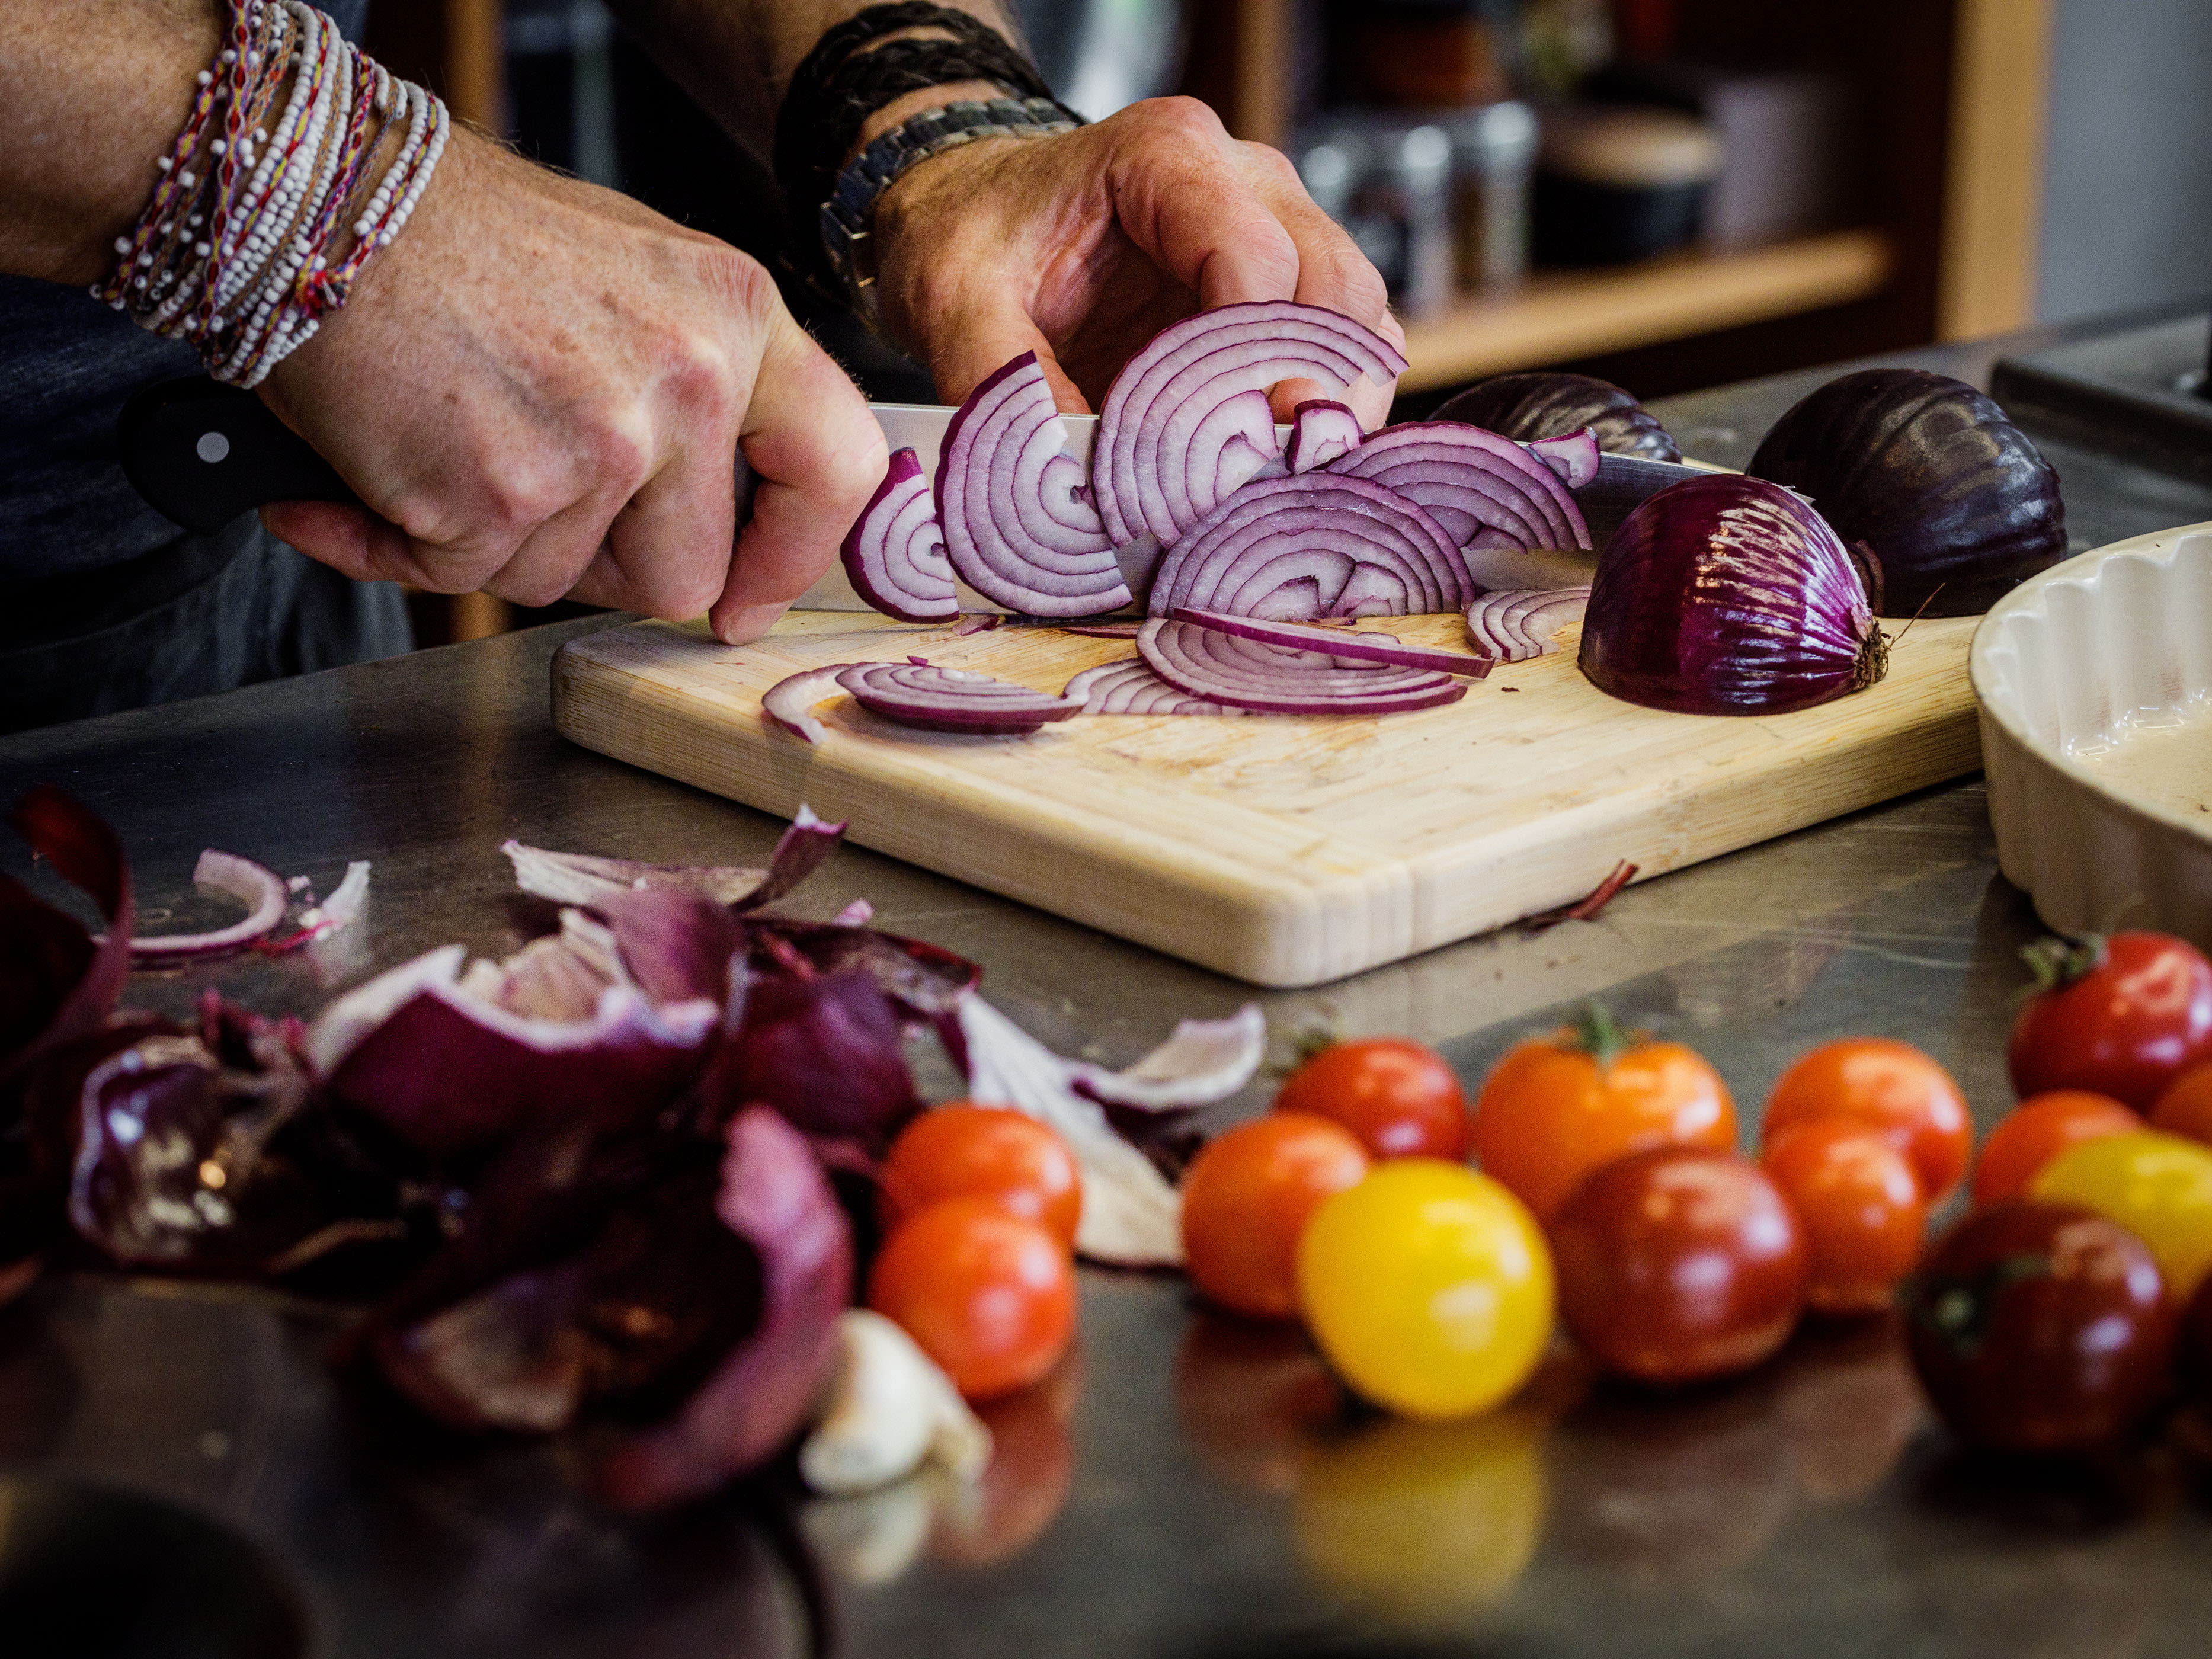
2094 682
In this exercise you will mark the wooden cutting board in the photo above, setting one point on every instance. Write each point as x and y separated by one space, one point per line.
1286 852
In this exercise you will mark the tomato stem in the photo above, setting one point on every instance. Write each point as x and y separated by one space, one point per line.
1959 1310
1599 1036
2062 960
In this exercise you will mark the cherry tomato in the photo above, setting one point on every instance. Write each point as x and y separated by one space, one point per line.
1679 1264
2039 1328
1401 1099
2123 1015
1428 1288
1889 1087
2037 1132
989 1295
1247 1196
1558 1107
2159 1187
2185 1107
984 1151
1858 1199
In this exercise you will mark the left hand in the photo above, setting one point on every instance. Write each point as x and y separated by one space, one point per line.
1083 246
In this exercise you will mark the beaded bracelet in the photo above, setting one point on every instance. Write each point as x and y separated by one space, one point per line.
234 250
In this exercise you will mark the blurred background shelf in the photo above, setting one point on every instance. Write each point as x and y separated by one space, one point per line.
1557 315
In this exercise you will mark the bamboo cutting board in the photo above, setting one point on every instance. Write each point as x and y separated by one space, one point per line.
1283 851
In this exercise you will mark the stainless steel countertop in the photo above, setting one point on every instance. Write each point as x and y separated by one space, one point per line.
1195 1501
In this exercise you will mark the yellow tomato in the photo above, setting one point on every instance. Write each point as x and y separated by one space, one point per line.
1429 1288
2159 1187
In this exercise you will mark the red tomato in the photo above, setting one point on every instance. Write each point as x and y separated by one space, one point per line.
1858 1199
1679 1264
2123 1016
2186 1107
1560 1106
2039 1328
989 1295
1890 1087
2037 1132
1247 1197
984 1151
1401 1099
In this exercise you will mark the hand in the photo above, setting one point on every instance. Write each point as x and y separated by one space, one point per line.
540 387
1082 246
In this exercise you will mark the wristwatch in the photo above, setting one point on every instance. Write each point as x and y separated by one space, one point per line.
848 215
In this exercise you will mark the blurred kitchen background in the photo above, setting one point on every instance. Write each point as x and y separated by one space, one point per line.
1669 194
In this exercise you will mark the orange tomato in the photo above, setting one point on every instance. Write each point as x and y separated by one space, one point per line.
984 1151
1891 1088
1247 1197
1858 1199
2038 1131
1400 1098
1557 1107
2185 1107
988 1294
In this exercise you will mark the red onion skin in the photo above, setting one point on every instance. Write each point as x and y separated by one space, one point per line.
1729 595
68 985
895 529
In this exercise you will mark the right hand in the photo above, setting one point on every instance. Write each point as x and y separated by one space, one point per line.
538 390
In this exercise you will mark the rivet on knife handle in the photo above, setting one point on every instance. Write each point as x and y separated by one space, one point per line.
202 452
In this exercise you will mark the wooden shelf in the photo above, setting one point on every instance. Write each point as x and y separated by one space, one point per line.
1560 315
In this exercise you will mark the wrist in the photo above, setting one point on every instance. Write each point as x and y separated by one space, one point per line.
901 110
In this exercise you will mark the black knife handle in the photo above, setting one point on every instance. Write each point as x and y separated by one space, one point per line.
202 452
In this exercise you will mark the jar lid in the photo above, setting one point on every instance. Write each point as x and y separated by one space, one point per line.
1630 146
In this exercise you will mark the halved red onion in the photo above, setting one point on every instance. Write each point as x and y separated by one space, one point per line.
1471 481
895 552
1340 645
1187 420
1729 595
1020 526
953 699
260 888
1130 687
1320 432
790 701
1312 546
582 878
1573 457
1277 681
1515 626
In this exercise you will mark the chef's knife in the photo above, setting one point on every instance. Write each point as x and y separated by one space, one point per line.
202 452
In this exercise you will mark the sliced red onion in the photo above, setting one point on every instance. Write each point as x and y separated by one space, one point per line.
1320 432
1574 457
334 913
1471 481
1276 681
1130 687
1514 626
1203 1060
1312 545
895 552
1020 526
790 701
859 913
1729 595
258 887
582 878
953 699
1187 420
1340 645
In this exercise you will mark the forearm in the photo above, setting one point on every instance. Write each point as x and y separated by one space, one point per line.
91 92
735 57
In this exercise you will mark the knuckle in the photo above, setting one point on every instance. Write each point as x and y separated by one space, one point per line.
1183 118
1269 163
742 281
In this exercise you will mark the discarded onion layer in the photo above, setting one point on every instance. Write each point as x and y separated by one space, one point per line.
1274 680
1020 526
790 701
1729 595
1484 489
1549 405
1340 645
1130 687
1315 544
261 889
895 552
1187 419
1515 626
951 699
1320 432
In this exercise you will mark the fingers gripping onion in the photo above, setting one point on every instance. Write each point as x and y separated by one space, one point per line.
1515 626
1729 595
953 699
1314 544
1471 481
1019 523
1274 680
1320 432
1188 420
895 552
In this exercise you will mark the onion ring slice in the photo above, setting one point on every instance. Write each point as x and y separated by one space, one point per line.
895 552
1276 681
1471 481
1130 687
1342 646
1320 431
261 889
1516 626
953 699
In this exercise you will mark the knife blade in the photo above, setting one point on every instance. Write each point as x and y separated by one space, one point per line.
202 452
